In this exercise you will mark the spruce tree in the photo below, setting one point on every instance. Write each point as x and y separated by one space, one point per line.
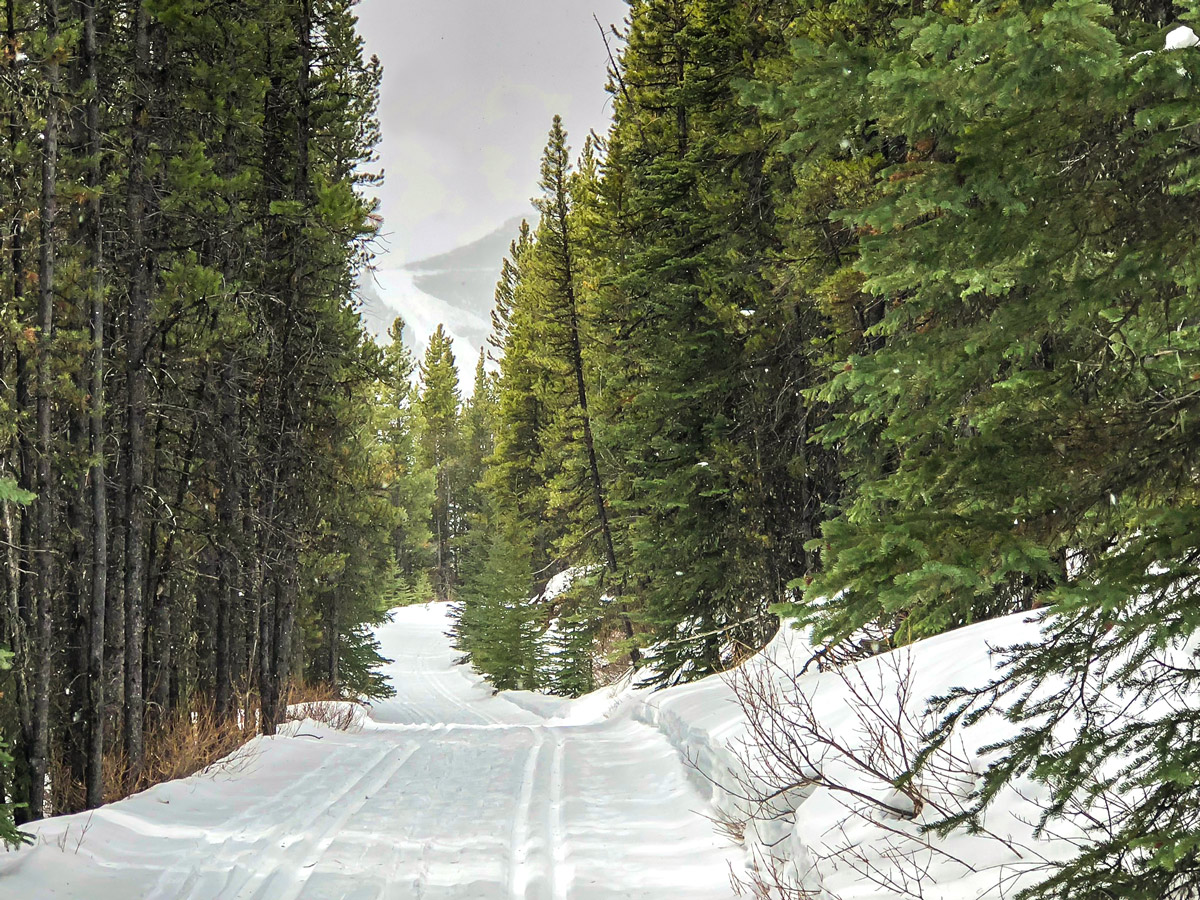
703 409
205 381
438 447
1020 413
498 623
410 486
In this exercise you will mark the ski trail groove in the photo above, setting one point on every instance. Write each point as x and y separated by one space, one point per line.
234 845
448 792
518 878
294 870
227 867
556 827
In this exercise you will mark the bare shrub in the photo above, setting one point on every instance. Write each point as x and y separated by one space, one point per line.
188 740
874 765
324 704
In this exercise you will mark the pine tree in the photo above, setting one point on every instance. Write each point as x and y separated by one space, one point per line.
702 410
438 447
411 486
1020 414
497 626
194 216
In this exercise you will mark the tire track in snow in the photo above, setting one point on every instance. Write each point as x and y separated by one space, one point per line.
556 837
296 866
518 857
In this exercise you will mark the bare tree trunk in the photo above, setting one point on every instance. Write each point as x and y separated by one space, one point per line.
334 638
17 528
44 557
285 610
266 656
230 517
96 444
16 635
139 315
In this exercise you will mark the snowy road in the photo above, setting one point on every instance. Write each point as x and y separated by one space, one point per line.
449 793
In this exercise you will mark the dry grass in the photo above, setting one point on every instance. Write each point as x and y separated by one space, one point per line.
195 739
181 743
189 740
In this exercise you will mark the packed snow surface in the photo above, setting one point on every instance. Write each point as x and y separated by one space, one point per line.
451 791
448 792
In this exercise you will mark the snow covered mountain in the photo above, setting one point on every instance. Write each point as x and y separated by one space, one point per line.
455 289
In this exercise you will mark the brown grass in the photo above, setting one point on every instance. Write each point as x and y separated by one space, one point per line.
195 739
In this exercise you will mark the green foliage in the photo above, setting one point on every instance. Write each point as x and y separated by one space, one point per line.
10 493
438 448
360 664
711 339
409 484
1019 418
205 364
498 626
10 836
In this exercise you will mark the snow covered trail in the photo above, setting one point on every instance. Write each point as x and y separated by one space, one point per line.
448 793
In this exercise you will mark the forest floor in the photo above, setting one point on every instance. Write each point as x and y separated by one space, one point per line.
446 792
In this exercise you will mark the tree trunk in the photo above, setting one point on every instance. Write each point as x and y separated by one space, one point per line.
44 558
96 446
229 521
333 636
17 523
139 315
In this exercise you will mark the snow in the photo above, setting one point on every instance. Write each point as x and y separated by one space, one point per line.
452 791
1180 38
446 792
818 840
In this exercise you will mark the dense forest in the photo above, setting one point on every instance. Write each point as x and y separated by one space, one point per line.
878 316
201 481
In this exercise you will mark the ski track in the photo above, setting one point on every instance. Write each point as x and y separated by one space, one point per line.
449 792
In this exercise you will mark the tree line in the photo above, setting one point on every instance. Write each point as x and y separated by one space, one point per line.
883 317
197 467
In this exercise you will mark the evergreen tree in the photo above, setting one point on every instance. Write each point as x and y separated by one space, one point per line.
703 410
1019 416
411 486
184 382
503 552
438 448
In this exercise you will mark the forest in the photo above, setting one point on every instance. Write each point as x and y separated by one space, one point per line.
882 317
196 470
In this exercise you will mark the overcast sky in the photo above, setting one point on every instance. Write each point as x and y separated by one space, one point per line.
469 90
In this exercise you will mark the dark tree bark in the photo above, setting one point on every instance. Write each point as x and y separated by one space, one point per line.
229 524
43 554
96 482
17 524
289 586
135 387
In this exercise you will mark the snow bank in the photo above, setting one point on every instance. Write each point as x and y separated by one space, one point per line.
341 715
821 839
